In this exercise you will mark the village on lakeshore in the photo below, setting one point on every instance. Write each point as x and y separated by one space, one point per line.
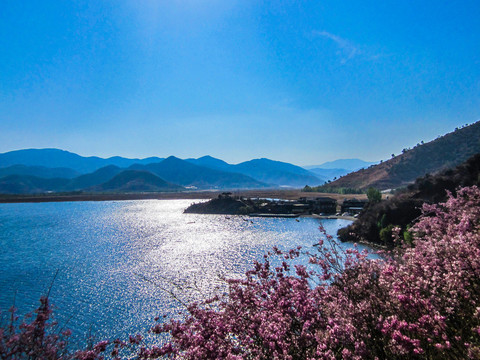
229 204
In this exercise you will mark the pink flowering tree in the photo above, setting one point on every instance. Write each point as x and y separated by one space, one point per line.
421 301
38 337
35 337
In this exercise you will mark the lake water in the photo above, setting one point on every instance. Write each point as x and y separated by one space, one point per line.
122 263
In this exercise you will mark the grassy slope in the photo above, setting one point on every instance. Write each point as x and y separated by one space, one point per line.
445 152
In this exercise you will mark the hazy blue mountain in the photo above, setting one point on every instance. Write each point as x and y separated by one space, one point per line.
277 172
95 178
107 179
329 174
348 164
55 158
264 170
211 163
182 172
126 162
136 181
26 184
39 171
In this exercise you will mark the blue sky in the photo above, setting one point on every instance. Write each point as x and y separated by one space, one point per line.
297 81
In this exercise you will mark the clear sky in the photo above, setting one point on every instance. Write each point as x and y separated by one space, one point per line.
297 81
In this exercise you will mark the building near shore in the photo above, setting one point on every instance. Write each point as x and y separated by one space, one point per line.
320 205
353 206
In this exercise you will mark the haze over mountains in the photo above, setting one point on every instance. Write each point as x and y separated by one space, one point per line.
334 169
347 164
53 170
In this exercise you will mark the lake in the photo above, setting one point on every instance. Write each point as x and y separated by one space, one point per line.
122 263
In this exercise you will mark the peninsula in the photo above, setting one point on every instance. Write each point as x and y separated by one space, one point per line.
228 204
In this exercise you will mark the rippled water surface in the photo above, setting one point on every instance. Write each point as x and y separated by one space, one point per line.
122 263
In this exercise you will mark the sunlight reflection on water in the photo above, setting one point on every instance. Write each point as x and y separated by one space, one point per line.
120 262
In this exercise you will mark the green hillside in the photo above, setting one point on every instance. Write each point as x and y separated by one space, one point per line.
26 184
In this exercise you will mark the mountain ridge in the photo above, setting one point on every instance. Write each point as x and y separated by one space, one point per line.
136 181
278 172
92 179
184 173
39 171
264 170
57 158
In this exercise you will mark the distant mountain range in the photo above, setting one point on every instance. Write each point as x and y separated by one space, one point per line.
347 164
52 170
334 169
264 170
187 174
442 153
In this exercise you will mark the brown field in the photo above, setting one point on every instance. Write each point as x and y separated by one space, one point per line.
275 194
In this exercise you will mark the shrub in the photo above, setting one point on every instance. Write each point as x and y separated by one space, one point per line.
386 234
374 195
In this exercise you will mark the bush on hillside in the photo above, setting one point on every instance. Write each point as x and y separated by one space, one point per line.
374 195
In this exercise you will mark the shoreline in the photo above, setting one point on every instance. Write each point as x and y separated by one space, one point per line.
295 216
194 195
351 218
